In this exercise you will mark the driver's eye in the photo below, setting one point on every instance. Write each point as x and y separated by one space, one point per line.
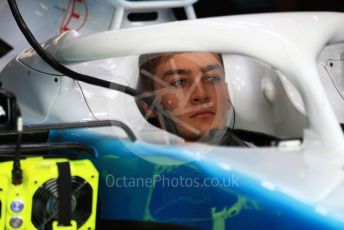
178 83
213 79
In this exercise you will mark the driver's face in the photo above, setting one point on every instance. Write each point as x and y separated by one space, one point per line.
191 87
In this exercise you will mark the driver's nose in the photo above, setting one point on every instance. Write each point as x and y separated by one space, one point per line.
199 93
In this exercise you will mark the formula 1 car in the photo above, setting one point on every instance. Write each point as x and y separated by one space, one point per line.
276 64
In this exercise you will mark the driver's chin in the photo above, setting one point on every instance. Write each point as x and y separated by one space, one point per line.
197 129
190 135
193 137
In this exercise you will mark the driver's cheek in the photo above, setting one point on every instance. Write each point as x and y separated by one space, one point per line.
171 101
220 100
176 104
213 93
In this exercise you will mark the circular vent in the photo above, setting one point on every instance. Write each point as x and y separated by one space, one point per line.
45 203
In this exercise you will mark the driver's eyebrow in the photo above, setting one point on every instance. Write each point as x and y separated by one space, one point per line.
207 68
211 67
176 72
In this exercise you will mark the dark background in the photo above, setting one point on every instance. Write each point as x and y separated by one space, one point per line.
210 8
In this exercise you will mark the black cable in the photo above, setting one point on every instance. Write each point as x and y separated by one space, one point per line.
47 57
57 65
17 173
233 114
233 117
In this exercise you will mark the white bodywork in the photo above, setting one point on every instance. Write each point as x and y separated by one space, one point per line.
288 44
331 70
123 8
48 18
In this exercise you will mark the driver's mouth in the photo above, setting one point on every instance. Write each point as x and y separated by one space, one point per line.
203 113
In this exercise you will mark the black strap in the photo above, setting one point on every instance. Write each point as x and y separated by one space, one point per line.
64 188
257 138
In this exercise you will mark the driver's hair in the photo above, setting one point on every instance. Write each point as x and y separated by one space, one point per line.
147 66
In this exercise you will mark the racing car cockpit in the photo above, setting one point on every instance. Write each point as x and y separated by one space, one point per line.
159 174
227 95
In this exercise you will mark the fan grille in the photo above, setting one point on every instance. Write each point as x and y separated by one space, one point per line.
45 203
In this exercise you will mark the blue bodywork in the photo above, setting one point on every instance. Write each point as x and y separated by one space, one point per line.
211 197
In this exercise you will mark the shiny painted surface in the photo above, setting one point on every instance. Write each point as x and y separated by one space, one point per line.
289 42
330 67
48 18
261 101
237 201
44 97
